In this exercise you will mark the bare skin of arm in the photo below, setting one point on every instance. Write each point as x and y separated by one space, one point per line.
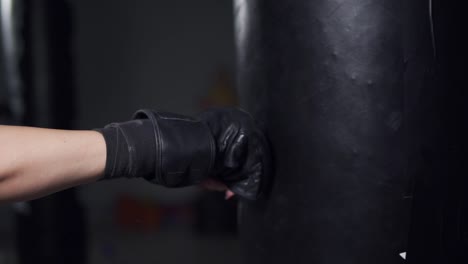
35 162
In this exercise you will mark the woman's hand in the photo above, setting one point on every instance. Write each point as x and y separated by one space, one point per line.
213 185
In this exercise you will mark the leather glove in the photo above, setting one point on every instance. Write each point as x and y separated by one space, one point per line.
176 151
242 153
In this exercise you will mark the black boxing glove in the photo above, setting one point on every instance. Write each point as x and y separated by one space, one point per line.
176 151
243 158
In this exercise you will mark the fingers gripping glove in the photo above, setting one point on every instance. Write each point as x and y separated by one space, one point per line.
175 151
243 158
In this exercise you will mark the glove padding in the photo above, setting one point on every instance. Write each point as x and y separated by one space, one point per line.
175 151
242 153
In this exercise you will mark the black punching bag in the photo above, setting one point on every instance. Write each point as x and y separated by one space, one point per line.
344 90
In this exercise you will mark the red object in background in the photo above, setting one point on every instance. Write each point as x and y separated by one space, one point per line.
134 214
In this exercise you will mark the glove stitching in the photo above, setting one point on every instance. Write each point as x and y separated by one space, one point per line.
131 150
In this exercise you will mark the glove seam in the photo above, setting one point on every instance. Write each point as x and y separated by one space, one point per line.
212 152
130 170
158 143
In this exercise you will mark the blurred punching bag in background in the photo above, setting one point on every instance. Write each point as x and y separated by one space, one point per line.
355 106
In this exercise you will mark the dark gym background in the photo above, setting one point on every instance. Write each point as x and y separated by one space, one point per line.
81 64
85 63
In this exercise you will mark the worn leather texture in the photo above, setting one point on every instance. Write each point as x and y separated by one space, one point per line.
223 143
184 146
243 158
356 111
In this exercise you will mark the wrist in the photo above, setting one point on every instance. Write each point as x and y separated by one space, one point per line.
185 148
164 148
130 148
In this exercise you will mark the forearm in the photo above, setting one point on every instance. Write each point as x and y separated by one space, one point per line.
35 162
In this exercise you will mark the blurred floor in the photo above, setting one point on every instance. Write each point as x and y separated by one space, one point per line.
108 244
7 252
161 247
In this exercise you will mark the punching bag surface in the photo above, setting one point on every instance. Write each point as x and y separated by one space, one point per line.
333 82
